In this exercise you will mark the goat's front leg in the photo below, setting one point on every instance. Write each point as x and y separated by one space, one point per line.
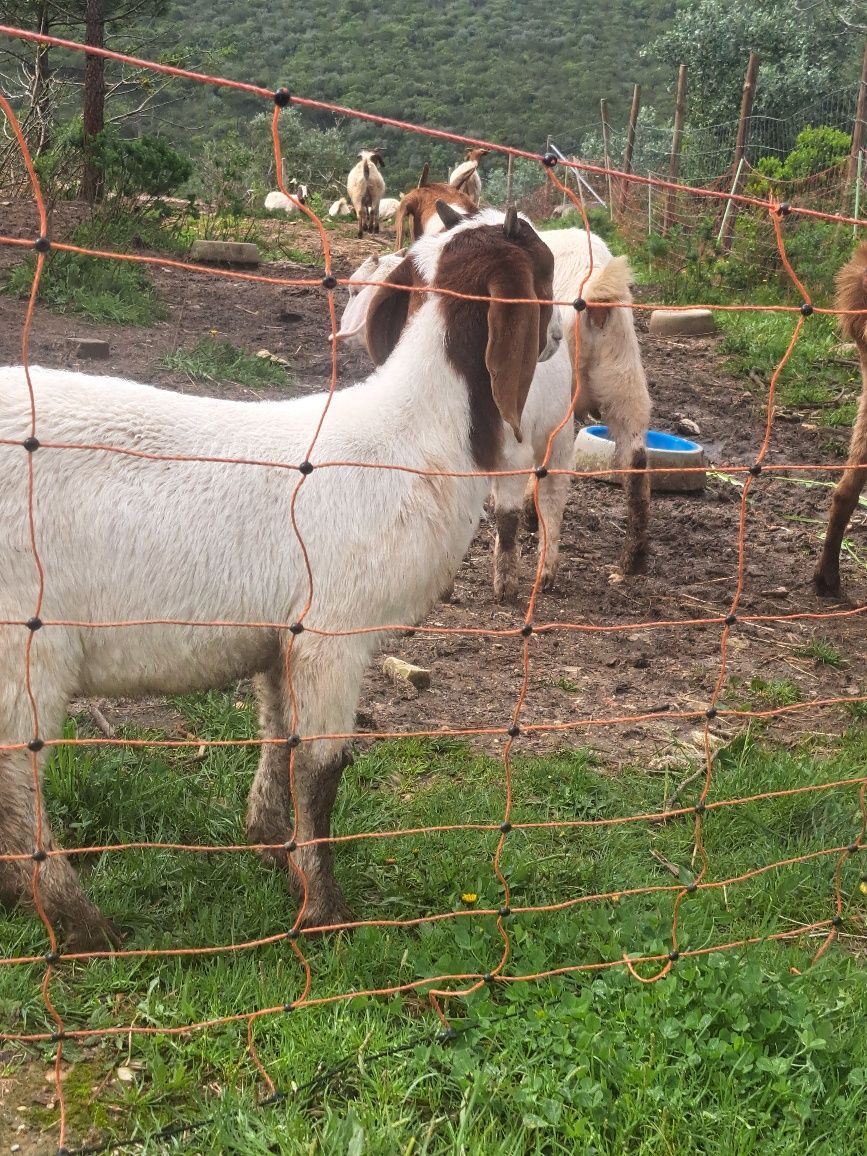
826 577
508 498
553 495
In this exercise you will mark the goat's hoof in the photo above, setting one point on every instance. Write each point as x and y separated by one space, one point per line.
99 935
634 563
505 592
326 916
826 584
549 581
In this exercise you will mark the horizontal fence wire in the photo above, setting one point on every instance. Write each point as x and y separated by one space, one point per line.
643 967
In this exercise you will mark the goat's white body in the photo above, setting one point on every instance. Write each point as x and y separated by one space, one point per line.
123 538
466 178
341 208
365 187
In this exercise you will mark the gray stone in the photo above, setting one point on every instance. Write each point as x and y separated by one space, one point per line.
89 347
224 253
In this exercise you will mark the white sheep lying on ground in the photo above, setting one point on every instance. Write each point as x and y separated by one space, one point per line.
388 207
612 383
122 537
341 208
275 200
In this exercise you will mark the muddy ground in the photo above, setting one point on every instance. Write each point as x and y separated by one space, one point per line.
573 675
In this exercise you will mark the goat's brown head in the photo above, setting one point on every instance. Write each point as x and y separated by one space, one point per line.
494 344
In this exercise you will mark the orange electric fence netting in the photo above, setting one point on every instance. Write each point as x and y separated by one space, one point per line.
439 988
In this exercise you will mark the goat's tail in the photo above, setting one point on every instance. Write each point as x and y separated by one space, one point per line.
610 282
852 295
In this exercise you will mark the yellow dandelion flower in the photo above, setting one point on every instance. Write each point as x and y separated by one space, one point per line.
615 898
862 887
469 897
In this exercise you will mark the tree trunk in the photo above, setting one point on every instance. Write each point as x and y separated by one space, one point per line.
94 99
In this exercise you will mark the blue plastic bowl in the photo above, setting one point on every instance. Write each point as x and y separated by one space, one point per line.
656 440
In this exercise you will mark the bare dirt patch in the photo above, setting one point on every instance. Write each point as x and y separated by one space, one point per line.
575 676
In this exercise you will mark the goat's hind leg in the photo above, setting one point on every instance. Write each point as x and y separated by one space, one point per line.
553 495
826 577
630 454
327 676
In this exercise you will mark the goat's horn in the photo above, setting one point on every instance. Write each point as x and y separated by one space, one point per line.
449 216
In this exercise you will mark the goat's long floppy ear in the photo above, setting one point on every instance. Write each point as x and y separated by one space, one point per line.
513 342
389 310
449 216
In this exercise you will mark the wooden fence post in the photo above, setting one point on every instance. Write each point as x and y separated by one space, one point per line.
857 132
674 163
606 152
747 98
630 144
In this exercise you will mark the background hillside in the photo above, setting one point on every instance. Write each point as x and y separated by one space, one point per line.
513 72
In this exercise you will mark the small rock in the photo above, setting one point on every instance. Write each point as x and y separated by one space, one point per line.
687 426
400 671
776 592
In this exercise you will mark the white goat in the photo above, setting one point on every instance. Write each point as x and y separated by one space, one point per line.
466 175
365 187
276 200
612 382
341 208
180 544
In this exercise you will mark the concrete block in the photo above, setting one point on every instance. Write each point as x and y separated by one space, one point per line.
89 347
682 323
224 253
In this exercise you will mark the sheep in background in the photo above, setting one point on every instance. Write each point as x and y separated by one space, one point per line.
851 298
365 187
275 200
466 176
388 208
454 371
341 208
613 382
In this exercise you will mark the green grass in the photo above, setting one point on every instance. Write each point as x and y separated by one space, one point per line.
823 651
742 1051
812 381
101 289
215 360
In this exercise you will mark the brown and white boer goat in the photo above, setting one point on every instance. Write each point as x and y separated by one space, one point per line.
381 545
420 206
851 297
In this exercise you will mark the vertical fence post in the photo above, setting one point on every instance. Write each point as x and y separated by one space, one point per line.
857 134
630 144
509 180
649 207
747 97
858 178
677 137
730 203
606 153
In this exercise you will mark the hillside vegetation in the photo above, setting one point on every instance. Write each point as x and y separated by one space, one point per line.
511 72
